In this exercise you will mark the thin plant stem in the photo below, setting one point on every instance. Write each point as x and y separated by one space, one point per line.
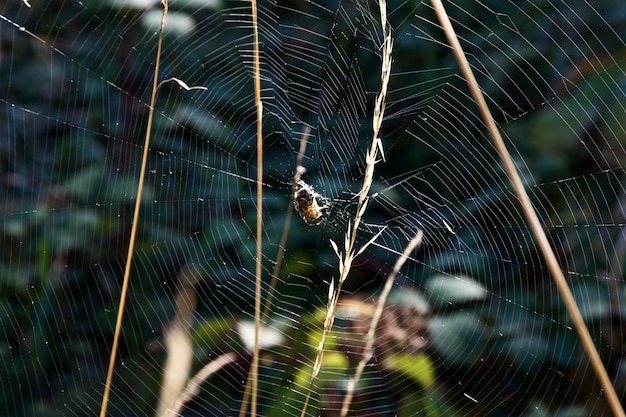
371 333
133 230
254 366
192 388
279 259
530 213
283 239
349 253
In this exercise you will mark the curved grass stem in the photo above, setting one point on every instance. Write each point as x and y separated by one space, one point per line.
530 213
371 159
133 230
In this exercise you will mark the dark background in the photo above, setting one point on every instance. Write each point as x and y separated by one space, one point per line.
74 91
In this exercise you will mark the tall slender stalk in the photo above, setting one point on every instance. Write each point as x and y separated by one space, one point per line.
283 239
254 366
133 230
278 262
349 252
529 212
192 389
368 351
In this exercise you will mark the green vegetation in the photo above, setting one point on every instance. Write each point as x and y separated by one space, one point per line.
73 91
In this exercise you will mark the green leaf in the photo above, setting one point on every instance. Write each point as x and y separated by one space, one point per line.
447 290
592 298
573 411
538 410
530 352
124 190
85 182
211 332
411 401
205 124
459 338
408 297
419 368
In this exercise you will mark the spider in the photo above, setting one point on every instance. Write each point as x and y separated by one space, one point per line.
305 203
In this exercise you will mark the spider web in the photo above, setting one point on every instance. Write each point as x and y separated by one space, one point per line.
474 325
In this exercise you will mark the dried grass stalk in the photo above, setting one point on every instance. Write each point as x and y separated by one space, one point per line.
133 230
371 159
530 213
369 342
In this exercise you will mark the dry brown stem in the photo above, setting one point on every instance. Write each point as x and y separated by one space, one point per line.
529 212
349 252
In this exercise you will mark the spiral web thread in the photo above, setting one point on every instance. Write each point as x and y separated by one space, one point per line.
473 323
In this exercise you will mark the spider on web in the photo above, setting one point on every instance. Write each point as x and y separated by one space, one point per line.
306 204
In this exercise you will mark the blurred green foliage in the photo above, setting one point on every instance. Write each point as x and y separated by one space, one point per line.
74 87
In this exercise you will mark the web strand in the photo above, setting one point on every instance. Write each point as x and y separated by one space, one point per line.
472 324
